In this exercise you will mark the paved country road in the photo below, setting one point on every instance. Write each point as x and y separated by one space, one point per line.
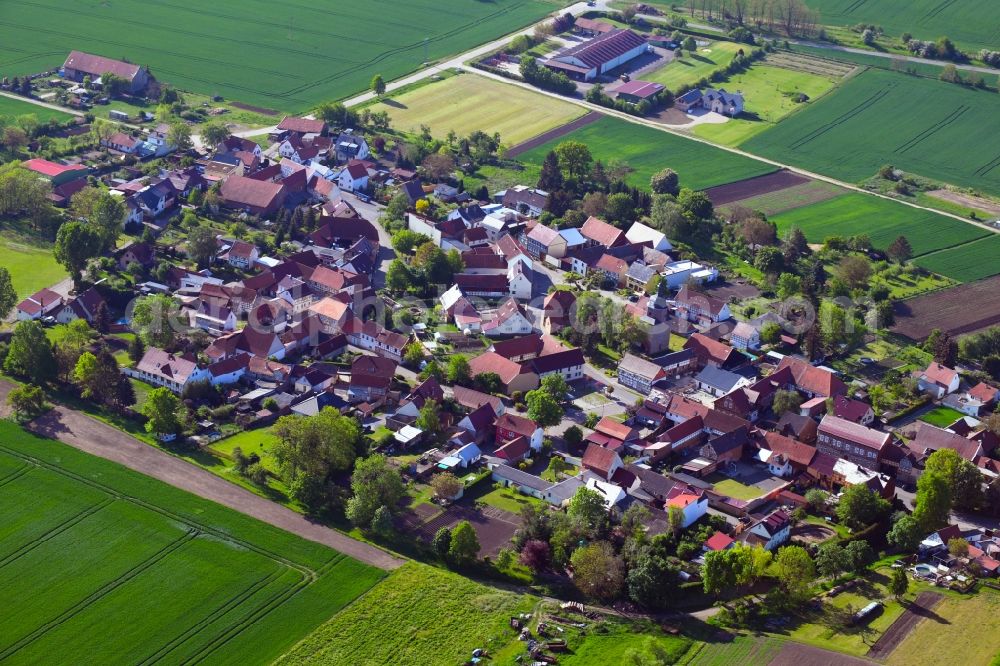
94 437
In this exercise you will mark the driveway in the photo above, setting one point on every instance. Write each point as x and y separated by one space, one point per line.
96 438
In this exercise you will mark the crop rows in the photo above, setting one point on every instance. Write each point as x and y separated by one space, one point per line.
188 584
284 55
927 127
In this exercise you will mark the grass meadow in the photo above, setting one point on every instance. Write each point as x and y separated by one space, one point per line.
942 417
972 23
769 93
128 570
647 150
275 55
467 102
966 263
16 107
882 220
968 625
417 615
30 262
876 119
689 68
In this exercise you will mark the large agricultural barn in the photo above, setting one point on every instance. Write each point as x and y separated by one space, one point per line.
79 65
599 56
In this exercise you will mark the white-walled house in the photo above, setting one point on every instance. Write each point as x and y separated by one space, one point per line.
938 380
641 233
692 504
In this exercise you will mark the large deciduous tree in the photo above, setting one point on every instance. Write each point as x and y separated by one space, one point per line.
310 449
597 572
30 354
76 243
374 484
161 410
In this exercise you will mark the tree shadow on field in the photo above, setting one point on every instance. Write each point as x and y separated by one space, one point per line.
388 101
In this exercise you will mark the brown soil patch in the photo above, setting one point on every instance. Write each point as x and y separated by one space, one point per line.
813 533
796 654
255 109
961 309
554 134
494 527
904 624
741 291
985 206
670 116
752 187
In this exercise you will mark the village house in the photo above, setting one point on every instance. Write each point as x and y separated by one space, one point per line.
161 368
525 200
696 306
79 65
557 311
508 319
371 377
43 303
692 503
974 402
515 377
811 381
852 410
938 380
844 439
769 532
258 197
83 306
639 374
511 426
353 177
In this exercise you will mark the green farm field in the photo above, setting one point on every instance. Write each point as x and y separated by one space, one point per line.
966 263
882 220
689 69
467 102
128 570
769 93
16 107
972 23
647 150
872 120
286 56
418 615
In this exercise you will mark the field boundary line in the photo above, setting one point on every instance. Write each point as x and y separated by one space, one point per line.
105 590
152 507
932 130
219 612
236 628
56 530
17 473
736 151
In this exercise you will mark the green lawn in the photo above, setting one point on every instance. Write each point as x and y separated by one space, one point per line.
734 488
16 107
30 263
871 120
621 644
468 102
647 150
942 417
87 544
418 615
690 68
883 220
271 55
966 263
769 92
259 441
972 23
508 499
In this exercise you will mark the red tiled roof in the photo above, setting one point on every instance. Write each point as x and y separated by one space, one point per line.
38 301
939 374
718 541
51 169
810 378
605 48
983 392
852 410
641 89
708 349
794 450
608 426
599 459
99 65
603 233
519 424
492 282
854 432
301 125
492 362
515 449
250 192
356 170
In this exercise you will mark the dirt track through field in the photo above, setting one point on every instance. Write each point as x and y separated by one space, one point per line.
553 134
904 624
92 436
